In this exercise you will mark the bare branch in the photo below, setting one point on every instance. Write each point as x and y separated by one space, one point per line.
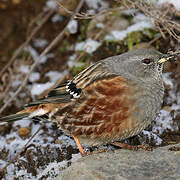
26 42
46 50
163 17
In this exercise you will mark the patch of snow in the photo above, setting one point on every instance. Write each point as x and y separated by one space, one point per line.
2 163
39 88
91 12
35 76
40 42
35 54
169 81
89 46
141 17
71 62
120 35
97 4
16 83
72 26
24 69
151 135
99 25
22 123
129 12
51 4
55 75
164 122
23 173
57 18
176 3
45 58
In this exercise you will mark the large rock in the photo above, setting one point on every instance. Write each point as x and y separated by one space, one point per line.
126 165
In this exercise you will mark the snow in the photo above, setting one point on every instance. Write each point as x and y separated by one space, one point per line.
176 3
51 4
24 69
97 4
89 46
13 142
39 88
152 135
99 25
120 35
56 18
55 75
72 26
14 146
16 83
35 76
164 122
71 62
23 123
35 54
40 42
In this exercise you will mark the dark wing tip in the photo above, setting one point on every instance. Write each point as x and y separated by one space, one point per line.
14 117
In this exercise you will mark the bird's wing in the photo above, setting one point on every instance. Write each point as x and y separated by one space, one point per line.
104 106
64 93
57 95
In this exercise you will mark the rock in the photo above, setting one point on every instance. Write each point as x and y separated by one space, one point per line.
23 132
160 164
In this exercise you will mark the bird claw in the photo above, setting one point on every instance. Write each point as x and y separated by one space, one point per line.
131 147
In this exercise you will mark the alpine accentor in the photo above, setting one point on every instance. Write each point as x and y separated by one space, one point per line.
111 100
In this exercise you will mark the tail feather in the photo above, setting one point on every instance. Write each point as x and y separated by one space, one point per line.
14 117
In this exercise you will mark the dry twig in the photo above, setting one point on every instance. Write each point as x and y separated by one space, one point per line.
43 21
163 17
46 50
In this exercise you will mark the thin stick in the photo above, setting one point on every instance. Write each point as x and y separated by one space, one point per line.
46 50
22 149
26 42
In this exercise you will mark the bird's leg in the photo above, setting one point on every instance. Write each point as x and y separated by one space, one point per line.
131 147
83 153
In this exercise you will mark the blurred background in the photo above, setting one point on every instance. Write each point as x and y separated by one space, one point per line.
46 42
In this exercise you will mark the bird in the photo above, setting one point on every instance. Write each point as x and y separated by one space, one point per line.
111 100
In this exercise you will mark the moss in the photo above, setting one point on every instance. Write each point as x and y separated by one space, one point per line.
114 47
64 46
150 33
77 69
128 17
136 37
82 63
133 38
83 29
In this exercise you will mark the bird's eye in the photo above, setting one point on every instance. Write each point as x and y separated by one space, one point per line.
146 61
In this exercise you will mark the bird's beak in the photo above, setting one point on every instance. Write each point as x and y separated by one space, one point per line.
165 58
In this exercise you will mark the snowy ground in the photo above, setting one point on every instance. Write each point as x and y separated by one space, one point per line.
51 151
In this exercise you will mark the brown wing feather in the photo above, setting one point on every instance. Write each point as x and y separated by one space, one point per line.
104 108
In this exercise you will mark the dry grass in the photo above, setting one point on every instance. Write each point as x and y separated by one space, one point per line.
163 16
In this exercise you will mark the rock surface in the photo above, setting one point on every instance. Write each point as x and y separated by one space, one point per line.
126 165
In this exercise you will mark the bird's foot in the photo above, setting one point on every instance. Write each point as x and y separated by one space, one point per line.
131 147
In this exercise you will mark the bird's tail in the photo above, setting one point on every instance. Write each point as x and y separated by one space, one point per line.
14 117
